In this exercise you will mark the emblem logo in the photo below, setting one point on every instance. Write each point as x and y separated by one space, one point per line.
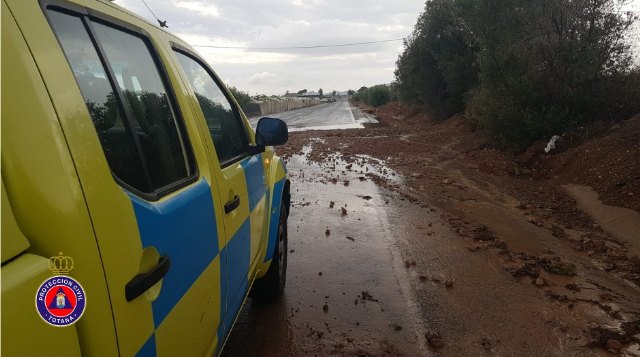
60 300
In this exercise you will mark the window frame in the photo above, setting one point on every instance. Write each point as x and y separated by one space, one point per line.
225 91
86 16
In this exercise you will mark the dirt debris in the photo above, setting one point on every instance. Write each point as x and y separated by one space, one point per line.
451 169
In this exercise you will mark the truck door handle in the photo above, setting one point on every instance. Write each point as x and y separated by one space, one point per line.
232 205
144 281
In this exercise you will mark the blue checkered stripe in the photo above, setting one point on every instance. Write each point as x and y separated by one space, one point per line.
191 216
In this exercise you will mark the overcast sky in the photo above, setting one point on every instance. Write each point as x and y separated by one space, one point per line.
282 23
278 23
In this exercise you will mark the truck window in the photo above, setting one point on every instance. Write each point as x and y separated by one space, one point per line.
129 104
225 126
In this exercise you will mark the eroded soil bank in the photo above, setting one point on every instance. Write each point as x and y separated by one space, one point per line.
497 251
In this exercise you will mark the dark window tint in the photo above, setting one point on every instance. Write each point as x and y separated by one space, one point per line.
153 119
136 124
226 128
118 147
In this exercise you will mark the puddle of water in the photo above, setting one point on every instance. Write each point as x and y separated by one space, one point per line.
357 124
621 222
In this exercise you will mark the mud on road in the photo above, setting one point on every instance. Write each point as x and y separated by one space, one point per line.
412 238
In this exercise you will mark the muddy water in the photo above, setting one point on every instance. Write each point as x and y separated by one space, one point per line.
374 279
347 291
621 222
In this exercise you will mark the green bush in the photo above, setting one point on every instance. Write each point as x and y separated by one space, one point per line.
241 97
374 96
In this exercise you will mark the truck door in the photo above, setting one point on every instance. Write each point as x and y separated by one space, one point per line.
242 183
153 213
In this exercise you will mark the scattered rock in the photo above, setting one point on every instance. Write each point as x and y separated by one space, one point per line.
367 297
572 287
423 278
327 232
486 343
436 343
325 307
434 339
351 238
448 283
614 344
481 233
557 266
396 327
320 273
344 211
346 182
540 282
331 204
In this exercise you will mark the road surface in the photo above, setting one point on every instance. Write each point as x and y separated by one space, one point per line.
343 294
326 116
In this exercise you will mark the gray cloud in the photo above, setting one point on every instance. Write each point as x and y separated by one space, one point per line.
257 23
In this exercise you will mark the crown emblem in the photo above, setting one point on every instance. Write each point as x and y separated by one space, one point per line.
60 264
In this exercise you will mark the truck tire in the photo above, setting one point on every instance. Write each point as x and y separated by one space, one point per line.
270 286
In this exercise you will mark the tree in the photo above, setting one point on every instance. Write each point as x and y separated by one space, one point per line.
351 92
437 68
333 93
520 70
375 96
303 91
320 92
241 97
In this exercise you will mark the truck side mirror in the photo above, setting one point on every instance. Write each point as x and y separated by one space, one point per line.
271 131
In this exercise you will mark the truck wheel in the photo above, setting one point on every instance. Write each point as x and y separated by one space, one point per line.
272 284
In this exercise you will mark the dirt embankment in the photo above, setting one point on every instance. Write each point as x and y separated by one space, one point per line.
517 206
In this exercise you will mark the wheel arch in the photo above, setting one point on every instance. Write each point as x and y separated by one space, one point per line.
280 192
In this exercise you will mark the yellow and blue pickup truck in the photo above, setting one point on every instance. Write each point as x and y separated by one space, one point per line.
139 207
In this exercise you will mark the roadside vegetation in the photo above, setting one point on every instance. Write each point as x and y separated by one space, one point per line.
519 70
241 97
375 96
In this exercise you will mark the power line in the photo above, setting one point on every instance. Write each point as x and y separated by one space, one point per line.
300 47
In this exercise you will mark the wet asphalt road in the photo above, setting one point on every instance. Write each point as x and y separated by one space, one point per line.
344 293
336 115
